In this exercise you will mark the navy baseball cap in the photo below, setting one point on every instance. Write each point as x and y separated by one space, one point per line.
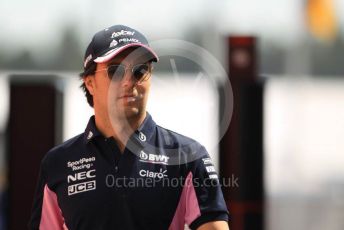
109 42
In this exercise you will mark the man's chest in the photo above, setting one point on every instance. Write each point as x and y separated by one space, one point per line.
143 188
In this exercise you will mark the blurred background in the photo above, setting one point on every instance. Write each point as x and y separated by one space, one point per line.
284 60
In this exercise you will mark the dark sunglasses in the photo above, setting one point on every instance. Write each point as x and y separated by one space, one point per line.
140 72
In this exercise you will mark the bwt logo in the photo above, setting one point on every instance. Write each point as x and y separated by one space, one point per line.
143 155
81 176
153 158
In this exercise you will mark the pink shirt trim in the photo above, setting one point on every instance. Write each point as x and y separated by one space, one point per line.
188 208
51 217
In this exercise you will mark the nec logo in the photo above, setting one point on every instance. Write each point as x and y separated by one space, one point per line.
153 158
81 176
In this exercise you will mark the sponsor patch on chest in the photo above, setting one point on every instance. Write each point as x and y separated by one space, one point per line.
153 158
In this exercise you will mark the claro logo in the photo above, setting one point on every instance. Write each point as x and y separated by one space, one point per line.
146 173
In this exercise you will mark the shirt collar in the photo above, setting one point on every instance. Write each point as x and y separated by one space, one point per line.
145 132
141 136
91 130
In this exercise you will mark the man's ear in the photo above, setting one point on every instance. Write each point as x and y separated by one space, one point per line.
90 83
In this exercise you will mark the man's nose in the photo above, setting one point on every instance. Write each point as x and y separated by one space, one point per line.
128 80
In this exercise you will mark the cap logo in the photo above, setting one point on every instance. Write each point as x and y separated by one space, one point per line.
122 32
129 40
87 60
113 43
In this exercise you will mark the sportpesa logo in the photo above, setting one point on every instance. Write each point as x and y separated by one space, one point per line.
153 158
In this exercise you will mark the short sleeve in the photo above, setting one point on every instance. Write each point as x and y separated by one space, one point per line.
205 202
45 213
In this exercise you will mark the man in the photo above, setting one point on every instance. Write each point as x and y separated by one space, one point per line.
118 174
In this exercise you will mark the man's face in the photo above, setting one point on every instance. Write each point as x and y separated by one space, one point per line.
120 98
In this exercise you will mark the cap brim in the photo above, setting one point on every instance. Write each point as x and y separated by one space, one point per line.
112 53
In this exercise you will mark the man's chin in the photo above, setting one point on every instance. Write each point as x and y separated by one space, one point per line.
131 113
128 113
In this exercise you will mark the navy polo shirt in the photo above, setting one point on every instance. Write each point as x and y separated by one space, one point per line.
162 180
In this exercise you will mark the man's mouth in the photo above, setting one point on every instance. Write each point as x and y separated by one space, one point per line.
129 97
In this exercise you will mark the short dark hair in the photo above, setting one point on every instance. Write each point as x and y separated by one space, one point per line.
91 69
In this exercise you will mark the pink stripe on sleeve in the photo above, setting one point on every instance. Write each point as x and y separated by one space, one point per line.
51 217
188 208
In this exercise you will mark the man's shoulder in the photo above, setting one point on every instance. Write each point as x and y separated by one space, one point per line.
68 146
179 149
175 140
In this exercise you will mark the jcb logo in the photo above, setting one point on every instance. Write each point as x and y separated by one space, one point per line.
81 187
81 176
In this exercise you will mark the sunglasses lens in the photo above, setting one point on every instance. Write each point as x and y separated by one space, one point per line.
140 71
116 72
